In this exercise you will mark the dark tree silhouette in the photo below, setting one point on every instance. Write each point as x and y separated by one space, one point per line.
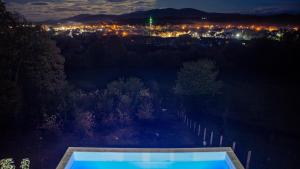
198 79
32 69
124 101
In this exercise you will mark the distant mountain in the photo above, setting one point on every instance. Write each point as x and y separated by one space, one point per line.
186 15
276 10
89 18
166 13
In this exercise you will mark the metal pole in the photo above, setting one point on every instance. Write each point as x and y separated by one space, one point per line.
248 159
199 129
204 137
211 137
233 146
221 140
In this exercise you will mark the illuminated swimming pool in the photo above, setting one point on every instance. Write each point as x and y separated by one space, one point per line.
187 158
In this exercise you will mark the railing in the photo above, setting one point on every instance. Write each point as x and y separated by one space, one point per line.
196 128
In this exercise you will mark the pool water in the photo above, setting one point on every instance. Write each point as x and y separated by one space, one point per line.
149 160
150 165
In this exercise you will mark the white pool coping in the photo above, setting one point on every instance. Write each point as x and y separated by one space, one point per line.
115 154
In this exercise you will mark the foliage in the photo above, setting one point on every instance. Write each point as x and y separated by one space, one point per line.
52 124
124 101
25 163
85 122
198 79
146 108
73 101
31 68
7 164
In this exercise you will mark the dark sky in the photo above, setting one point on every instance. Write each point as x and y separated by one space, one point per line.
54 9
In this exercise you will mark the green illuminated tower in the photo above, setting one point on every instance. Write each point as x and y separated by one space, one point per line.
150 21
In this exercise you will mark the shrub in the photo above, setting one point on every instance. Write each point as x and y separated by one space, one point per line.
52 124
124 101
25 163
85 122
145 110
7 164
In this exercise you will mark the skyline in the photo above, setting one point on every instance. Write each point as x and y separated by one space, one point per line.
40 10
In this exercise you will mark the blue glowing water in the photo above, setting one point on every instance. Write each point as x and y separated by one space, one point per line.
153 160
150 165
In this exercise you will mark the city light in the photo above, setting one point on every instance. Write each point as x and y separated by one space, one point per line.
197 30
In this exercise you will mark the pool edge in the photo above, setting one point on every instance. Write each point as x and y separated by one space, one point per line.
236 162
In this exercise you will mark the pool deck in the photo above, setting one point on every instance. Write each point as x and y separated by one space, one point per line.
236 162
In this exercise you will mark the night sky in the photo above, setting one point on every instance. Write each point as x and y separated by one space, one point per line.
38 10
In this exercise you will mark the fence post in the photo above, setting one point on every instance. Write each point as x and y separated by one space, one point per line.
211 137
204 137
248 159
233 146
221 140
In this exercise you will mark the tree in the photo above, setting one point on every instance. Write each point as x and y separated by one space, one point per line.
198 79
42 72
197 83
124 101
31 67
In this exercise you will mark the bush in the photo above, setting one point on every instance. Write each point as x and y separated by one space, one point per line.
25 163
145 110
52 124
8 163
85 123
124 101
